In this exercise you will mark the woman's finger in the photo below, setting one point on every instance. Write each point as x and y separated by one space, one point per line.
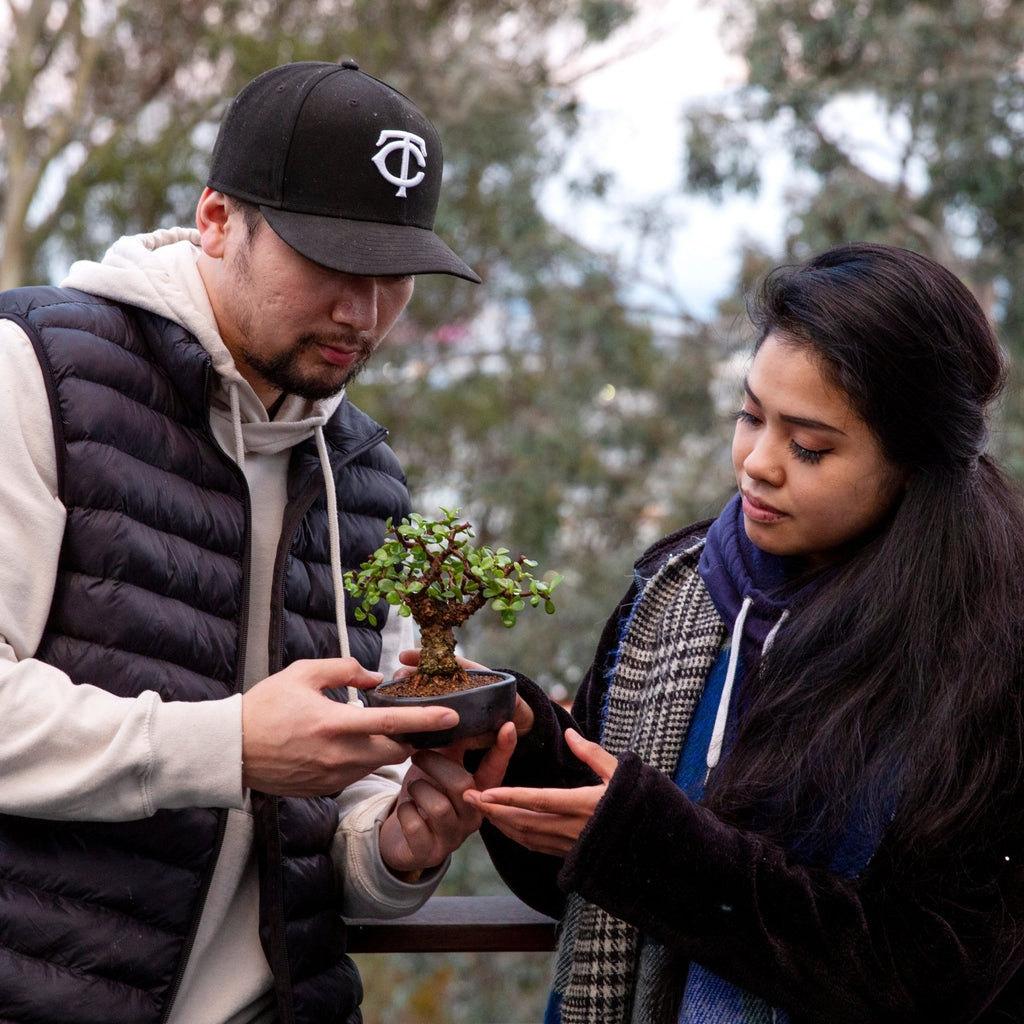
592 754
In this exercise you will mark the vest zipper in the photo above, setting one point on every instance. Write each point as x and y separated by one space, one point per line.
280 965
197 916
279 961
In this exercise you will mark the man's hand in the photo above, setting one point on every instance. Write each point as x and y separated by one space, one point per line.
431 819
297 742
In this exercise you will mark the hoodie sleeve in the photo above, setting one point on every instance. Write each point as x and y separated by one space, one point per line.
67 751
397 635
370 889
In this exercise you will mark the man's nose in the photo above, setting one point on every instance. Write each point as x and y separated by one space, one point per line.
355 302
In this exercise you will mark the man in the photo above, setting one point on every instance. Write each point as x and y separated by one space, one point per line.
182 483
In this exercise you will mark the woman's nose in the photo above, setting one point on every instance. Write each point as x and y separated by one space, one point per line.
764 461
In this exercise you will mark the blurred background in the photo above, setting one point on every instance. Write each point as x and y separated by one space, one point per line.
620 174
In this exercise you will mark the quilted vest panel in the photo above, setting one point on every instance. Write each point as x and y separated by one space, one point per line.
150 596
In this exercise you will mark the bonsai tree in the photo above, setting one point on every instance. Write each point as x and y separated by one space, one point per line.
431 570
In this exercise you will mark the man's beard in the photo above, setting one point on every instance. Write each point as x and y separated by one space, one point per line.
284 372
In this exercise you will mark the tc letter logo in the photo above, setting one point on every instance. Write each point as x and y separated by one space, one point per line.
408 145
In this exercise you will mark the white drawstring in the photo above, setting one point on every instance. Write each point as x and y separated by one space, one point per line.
718 733
722 715
770 638
332 520
236 424
335 541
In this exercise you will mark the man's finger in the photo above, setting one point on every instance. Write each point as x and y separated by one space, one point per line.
396 721
327 673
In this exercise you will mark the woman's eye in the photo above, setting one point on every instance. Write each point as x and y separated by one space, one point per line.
809 455
743 416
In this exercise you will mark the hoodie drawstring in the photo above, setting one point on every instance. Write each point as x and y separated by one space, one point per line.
236 424
770 638
332 520
718 733
722 715
335 541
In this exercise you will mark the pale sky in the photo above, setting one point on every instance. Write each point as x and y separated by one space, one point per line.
631 128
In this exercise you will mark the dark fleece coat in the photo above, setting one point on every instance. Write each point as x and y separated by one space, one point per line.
942 943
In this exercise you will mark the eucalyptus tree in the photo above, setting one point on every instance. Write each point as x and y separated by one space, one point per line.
536 402
108 107
903 121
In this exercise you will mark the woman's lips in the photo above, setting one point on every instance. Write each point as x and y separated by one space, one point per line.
760 511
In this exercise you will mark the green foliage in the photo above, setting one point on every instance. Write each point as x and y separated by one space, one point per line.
108 111
936 88
905 124
430 569
574 433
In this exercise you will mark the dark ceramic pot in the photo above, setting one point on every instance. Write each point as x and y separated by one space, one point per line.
482 709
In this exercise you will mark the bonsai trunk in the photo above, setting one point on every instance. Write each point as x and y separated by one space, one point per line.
437 621
437 655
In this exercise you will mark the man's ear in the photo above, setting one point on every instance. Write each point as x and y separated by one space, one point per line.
211 220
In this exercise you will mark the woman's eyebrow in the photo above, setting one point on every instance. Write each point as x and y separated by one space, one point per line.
796 421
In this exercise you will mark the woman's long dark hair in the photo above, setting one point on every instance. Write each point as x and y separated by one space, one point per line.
892 699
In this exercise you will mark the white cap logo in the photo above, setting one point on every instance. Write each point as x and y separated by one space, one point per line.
409 145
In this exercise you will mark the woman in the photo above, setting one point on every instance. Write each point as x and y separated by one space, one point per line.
799 796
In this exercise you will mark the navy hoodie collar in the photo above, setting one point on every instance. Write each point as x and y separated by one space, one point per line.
733 569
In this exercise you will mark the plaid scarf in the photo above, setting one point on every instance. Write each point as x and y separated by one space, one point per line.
668 645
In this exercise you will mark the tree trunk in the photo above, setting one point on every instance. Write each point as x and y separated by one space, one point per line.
437 654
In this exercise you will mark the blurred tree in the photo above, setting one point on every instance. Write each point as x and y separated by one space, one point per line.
904 122
565 428
535 403
107 110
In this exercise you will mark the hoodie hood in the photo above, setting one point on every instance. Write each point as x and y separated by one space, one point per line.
158 272
751 591
735 572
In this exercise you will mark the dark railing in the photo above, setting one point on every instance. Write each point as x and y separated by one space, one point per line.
457 924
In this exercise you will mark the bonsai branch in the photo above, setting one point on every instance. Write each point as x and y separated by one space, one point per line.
431 570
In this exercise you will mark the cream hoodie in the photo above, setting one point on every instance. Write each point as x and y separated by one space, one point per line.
80 753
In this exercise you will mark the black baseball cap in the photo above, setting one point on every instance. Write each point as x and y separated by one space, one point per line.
344 168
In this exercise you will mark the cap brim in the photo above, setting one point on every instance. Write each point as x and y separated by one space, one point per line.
366 247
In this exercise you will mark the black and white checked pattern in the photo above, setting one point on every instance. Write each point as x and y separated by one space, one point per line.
669 646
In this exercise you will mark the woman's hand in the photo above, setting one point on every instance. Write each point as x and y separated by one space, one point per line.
548 820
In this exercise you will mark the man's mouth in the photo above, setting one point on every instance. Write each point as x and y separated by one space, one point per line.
339 356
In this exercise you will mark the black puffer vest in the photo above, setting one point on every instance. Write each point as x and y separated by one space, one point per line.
96 919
